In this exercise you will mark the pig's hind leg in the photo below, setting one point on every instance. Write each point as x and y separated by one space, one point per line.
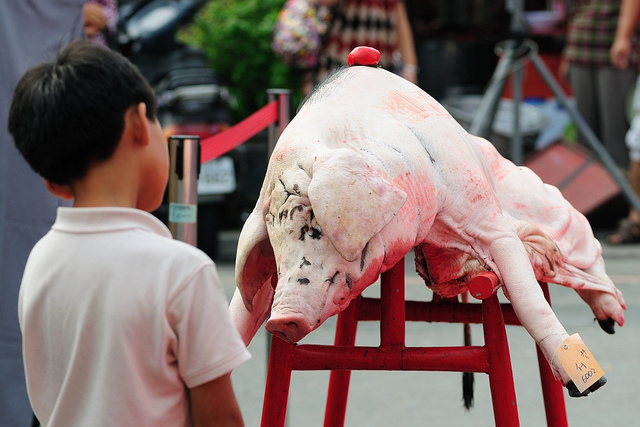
531 307
591 283
608 307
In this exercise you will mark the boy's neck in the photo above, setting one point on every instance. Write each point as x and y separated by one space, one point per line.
113 182
104 194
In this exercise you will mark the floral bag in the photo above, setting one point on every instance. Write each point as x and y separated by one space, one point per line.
298 33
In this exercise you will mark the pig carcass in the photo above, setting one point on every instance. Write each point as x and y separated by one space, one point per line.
372 167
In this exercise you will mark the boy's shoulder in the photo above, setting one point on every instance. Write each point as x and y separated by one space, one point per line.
120 245
137 232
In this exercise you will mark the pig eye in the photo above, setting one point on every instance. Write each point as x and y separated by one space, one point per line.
315 233
312 232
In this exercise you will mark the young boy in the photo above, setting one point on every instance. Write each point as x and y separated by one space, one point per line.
122 326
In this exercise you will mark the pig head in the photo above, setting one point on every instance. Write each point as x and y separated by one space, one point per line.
315 225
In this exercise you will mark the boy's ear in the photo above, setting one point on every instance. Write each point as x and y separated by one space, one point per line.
62 191
136 127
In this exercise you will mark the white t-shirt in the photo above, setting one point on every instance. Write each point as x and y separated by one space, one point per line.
119 319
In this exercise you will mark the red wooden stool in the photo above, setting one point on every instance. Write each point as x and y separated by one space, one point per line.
392 311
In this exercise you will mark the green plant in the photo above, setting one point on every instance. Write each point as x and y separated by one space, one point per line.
236 36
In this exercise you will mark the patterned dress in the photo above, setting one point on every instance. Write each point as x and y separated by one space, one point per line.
359 23
600 89
591 32
110 11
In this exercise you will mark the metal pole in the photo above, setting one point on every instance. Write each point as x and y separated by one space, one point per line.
483 119
184 152
517 149
509 52
283 96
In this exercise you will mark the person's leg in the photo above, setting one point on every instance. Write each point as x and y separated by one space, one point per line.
632 140
629 228
634 180
583 85
614 87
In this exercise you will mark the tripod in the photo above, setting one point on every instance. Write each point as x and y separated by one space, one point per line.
512 53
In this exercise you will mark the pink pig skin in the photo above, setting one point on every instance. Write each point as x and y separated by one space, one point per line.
372 167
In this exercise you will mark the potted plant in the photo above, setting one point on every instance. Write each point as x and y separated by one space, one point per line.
236 36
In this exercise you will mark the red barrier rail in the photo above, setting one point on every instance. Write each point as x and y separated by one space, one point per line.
223 142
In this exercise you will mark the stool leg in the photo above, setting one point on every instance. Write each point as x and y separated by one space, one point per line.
552 390
336 409
553 395
503 394
276 392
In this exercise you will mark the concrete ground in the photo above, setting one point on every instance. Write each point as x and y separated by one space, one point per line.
382 398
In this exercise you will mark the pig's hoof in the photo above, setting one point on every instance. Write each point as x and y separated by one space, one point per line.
607 325
574 392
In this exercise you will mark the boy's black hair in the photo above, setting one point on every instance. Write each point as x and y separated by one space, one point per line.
68 114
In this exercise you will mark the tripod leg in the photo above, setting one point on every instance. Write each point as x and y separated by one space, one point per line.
483 119
584 128
517 149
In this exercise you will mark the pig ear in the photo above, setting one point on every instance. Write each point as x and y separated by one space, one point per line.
255 263
351 201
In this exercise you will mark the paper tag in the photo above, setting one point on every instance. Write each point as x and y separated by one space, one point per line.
181 213
576 359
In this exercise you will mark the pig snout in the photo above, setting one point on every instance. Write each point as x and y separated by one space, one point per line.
291 328
293 307
301 305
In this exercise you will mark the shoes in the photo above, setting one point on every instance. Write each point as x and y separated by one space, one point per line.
628 232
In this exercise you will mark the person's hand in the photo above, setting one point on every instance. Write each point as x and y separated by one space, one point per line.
619 53
410 72
93 18
563 69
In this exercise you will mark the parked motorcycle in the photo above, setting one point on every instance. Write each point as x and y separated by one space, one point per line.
191 100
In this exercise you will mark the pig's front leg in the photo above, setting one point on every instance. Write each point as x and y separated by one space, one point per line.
528 301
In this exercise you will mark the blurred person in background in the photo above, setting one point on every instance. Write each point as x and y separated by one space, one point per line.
30 32
600 89
622 49
100 18
381 24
